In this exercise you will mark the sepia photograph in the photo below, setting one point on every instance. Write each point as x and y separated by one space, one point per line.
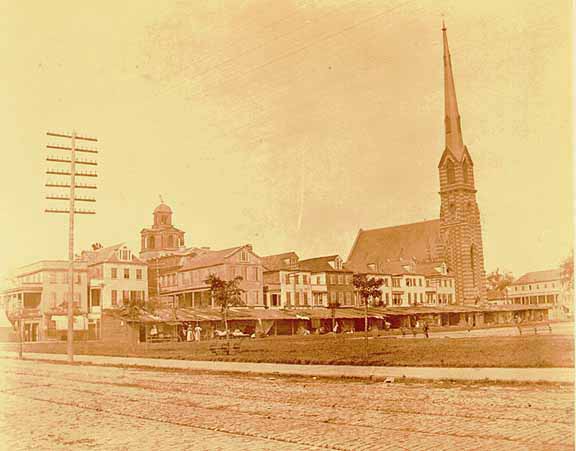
287 225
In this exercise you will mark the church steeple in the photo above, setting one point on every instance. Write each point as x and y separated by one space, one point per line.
460 226
454 140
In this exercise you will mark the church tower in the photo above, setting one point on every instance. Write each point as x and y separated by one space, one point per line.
162 238
460 228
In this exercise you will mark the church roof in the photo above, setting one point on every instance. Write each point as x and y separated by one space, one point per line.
539 276
417 241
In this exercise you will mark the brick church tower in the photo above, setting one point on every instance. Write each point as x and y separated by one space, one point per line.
460 230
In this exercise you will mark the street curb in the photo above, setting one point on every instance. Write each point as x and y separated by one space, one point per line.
506 375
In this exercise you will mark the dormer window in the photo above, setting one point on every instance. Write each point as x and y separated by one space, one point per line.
337 263
124 255
243 256
372 267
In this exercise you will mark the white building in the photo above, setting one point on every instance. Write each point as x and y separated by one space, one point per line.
116 276
543 287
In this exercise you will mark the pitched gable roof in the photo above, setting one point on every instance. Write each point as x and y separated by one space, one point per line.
278 261
211 258
106 255
417 241
539 276
318 264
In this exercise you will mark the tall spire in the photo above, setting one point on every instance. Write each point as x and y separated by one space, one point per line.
454 139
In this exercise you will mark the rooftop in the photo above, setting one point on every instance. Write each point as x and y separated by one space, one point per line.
418 241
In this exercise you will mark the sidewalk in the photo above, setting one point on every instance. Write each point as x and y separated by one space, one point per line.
565 375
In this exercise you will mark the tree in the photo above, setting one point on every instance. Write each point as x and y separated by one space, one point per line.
567 268
226 294
368 289
96 246
497 281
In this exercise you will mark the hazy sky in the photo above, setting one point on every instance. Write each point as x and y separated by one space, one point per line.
288 124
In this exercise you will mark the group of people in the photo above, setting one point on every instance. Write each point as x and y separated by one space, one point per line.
191 334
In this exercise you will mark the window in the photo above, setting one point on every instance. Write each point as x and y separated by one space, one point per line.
126 273
409 297
287 279
332 279
371 266
297 298
395 282
243 256
170 241
473 264
288 298
450 173
256 274
340 279
139 274
420 282
333 297
305 279
305 295
465 171
125 296
114 273
151 242
348 298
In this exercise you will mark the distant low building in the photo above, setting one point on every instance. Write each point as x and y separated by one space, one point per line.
498 297
286 286
407 283
185 281
543 287
39 299
331 283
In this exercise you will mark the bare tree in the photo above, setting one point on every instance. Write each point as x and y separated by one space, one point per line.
368 289
498 281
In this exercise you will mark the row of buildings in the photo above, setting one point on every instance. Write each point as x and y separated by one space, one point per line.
433 268
279 288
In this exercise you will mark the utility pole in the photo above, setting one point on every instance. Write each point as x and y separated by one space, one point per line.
70 161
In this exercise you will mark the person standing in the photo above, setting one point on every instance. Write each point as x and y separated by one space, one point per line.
189 333
426 327
197 332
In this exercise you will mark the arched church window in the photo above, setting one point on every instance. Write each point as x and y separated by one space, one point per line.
465 171
170 241
450 173
473 264
151 242
163 220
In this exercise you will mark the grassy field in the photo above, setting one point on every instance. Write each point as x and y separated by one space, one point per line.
513 352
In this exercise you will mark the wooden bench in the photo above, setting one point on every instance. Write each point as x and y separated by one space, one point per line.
160 339
219 348
535 327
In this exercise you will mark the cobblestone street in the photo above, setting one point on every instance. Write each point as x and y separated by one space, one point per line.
52 406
